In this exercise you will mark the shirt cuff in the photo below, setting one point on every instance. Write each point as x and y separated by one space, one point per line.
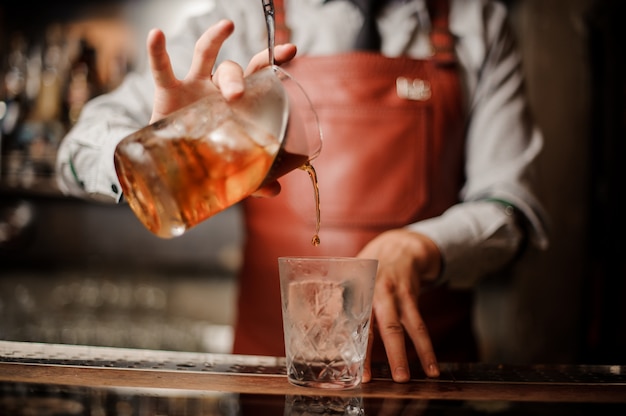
474 238
88 169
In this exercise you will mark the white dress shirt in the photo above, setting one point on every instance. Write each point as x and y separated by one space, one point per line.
475 237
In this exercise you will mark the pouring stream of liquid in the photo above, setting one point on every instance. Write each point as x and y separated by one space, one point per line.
268 10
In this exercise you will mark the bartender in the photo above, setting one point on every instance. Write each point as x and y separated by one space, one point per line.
427 163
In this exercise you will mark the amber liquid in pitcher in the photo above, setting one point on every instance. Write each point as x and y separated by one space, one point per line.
172 185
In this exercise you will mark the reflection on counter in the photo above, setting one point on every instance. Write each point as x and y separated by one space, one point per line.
35 399
26 399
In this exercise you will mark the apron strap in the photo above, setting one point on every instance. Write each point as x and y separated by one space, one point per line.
441 38
283 33
440 35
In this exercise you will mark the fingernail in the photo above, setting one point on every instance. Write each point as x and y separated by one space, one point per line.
433 370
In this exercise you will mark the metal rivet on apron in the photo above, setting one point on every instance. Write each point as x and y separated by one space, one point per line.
417 89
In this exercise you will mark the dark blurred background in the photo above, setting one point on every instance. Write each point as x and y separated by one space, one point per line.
81 272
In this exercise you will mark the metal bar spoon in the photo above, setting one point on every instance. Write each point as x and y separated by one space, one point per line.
268 9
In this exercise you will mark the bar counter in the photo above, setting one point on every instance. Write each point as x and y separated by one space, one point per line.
53 379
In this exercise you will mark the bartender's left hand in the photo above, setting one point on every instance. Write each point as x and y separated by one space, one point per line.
406 260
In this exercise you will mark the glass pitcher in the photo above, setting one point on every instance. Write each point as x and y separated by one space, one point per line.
211 154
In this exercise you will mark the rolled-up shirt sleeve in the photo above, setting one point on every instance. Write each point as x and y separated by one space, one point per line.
85 166
499 210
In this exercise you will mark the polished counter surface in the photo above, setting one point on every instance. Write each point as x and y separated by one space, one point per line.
53 379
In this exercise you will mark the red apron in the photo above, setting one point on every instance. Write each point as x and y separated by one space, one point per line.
393 154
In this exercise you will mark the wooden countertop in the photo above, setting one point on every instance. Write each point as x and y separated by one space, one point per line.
197 373
278 384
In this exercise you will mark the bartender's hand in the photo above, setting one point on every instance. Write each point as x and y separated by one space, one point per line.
406 260
172 93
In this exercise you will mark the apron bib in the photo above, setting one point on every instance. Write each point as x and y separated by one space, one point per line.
392 154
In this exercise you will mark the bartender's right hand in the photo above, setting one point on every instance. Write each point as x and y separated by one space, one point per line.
172 93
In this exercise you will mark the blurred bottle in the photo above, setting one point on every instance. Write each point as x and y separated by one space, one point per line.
54 67
84 81
14 105
44 83
43 128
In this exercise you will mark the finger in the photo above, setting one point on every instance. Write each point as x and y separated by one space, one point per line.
367 364
392 335
282 53
418 333
207 47
160 64
228 77
268 190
